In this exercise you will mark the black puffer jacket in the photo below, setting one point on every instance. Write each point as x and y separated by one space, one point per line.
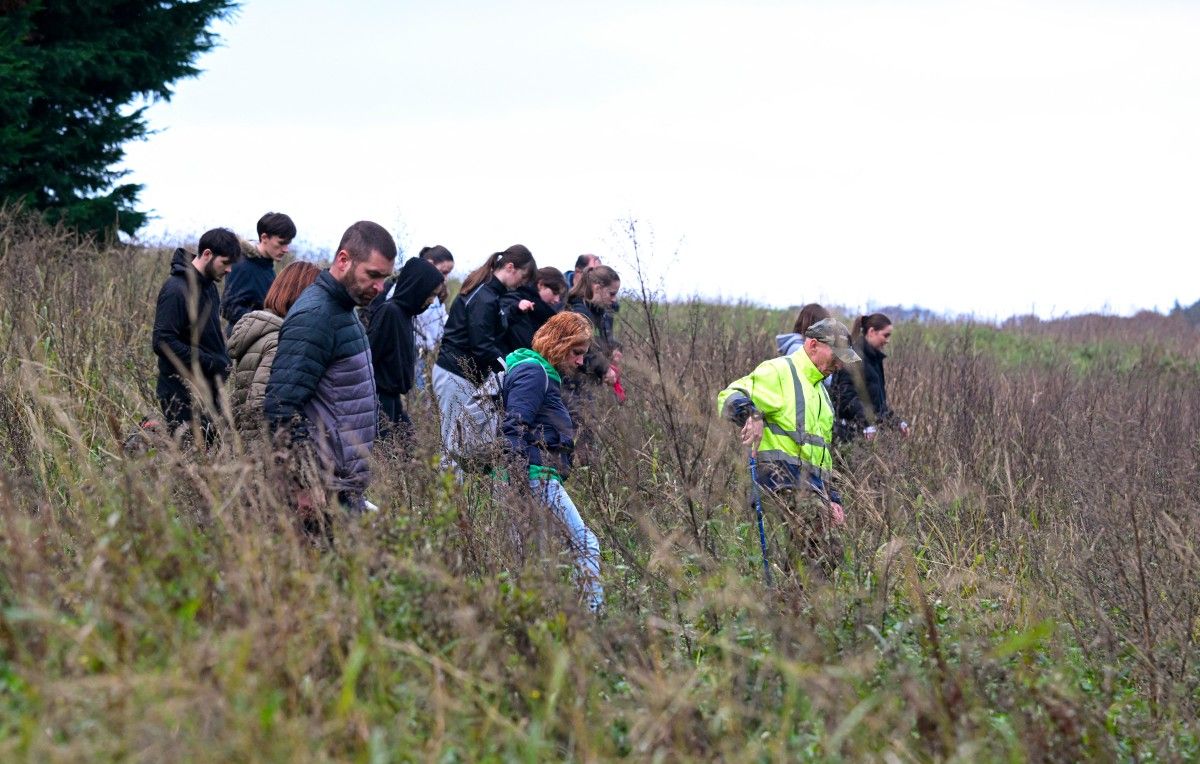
473 343
390 325
604 342
859 392
520 326
322 387
194 339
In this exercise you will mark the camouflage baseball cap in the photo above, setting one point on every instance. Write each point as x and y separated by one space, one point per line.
834 334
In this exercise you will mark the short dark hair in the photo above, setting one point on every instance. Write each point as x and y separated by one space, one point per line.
583 261
276 224
436 254
365 237
222 242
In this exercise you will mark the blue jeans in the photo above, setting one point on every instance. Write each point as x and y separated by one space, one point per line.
584 543
419 373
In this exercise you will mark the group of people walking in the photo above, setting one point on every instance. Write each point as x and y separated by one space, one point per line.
321 362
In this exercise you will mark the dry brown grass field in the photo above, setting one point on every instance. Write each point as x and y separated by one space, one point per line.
1021 580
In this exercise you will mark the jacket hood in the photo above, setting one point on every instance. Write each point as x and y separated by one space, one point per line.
249 329
417 280
181 263
526 355
250 252
789 343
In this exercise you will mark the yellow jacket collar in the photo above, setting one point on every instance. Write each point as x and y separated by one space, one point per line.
806 367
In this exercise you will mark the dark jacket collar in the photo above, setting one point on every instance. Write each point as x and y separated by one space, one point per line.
868 351
334 288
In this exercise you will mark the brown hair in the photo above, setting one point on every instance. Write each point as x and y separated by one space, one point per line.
437 254
561 333
552 279
597 275
365 237
518 254
287 287
809 315
876 321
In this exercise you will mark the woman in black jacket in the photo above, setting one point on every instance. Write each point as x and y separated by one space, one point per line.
529 306
389 322
859 393
472 346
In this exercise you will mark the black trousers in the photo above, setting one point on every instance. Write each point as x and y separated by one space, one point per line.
396 421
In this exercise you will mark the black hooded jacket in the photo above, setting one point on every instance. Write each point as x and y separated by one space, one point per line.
847 393
520 326
473 343
390 326
197 343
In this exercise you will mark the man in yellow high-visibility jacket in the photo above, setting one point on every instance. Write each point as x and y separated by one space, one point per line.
787 421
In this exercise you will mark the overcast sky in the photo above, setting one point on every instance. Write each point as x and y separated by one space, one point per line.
987 157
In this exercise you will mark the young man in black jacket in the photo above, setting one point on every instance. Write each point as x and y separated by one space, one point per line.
251 278
192 360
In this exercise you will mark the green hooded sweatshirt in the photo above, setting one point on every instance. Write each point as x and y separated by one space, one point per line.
527 355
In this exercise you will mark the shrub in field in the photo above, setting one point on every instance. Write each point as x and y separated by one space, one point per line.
1021 576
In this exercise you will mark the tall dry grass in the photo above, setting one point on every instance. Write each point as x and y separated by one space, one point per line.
1020 581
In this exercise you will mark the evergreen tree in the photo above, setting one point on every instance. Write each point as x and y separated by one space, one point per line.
75 79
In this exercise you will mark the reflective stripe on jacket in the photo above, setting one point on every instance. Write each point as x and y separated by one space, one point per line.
797 414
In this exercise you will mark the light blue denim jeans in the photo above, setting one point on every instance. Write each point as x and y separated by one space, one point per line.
584 543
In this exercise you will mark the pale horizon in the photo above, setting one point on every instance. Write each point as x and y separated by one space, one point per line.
993 160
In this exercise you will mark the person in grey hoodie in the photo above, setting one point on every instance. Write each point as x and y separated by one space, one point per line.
321 392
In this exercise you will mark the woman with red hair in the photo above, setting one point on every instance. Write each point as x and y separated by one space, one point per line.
538 431
255 338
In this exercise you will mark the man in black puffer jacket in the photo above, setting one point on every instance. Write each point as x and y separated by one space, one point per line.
187 334
322 385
